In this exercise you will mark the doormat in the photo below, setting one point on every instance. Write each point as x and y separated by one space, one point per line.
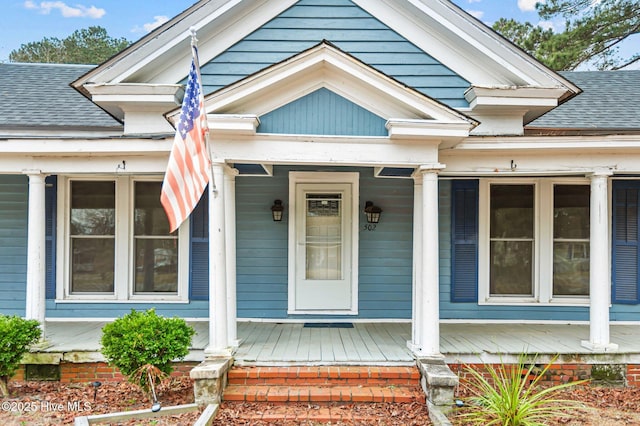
328 325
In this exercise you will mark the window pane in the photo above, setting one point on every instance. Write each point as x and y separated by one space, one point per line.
571 240
511 268
512 211
92 265
324 237
93 206
149 216
571 268
571 211
156 265
156 251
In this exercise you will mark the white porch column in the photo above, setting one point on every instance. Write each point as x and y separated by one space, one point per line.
230 234
429 336
218 320
599 267
416 323
36 248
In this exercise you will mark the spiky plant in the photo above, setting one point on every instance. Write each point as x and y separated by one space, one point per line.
508 397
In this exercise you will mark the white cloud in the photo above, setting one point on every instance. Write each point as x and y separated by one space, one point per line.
150 26
78 11
474 1
476 13
547 25
528 5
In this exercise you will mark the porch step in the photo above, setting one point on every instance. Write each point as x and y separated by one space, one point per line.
324 384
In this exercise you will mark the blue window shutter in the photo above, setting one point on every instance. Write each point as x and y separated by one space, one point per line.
199 267
626 253
464 241
50 207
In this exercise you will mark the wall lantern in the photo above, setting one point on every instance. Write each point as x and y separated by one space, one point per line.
372 211
276 210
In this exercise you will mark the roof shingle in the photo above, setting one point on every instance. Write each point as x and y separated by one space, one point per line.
39 96
610 100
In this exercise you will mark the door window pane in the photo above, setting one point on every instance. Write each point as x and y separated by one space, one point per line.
571 240
511 240
323 237
156 250
92 236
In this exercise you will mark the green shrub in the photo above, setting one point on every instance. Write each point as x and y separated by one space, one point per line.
140 339
509 397
16 335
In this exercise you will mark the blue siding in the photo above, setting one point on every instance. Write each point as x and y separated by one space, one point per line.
473 310
323 112
385 267
351 29
194 309
14 197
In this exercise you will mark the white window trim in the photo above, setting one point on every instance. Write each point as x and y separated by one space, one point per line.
543 244
124 257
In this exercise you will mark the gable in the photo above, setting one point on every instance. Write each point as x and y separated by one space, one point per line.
323 112
407 113
430 46
351 29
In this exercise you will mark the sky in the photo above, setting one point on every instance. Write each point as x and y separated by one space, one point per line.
25 21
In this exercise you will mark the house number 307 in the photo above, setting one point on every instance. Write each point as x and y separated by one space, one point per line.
370 227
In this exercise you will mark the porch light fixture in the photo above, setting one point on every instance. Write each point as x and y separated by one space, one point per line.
276 210
372 211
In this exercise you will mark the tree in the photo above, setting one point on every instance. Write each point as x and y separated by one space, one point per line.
592 34
85 46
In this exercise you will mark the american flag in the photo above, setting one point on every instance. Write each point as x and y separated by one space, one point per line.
187 173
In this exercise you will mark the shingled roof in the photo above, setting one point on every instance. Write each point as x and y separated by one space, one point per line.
38 96
610 102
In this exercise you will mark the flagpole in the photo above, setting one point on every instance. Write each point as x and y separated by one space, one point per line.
218 318
194 54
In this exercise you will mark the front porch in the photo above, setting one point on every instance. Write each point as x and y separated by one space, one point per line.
371 343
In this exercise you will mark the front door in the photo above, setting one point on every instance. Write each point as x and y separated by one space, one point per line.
323 274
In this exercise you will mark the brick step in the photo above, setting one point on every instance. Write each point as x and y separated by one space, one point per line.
321 414
324 384
267 393
325 376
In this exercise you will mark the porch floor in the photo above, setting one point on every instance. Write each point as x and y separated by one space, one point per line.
370 343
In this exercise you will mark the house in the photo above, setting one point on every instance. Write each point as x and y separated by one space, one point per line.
507 193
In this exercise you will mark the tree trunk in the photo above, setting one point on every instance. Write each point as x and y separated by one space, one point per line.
4 386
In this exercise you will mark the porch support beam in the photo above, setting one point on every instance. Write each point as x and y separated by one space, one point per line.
416 324
218 320
599 267
230 240
36 248
428 285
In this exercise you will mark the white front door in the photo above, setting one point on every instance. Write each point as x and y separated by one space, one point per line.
324 245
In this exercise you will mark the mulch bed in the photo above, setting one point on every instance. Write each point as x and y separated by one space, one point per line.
52 403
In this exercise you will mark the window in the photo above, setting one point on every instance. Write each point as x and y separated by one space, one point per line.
118 246
534 241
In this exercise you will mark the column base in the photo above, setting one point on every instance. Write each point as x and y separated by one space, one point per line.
438 381
424 354
210 379
599 347
211 352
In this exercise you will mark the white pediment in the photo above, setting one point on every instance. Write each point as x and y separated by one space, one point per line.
408 113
